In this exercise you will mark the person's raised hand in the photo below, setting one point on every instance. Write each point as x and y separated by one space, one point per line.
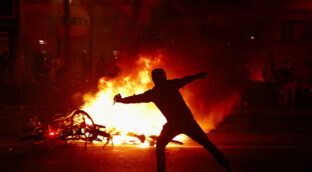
117 98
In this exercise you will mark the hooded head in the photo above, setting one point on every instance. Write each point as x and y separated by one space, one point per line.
158 76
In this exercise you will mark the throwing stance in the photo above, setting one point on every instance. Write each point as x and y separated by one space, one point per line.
168 99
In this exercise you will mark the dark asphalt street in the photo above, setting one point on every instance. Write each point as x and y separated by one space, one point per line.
254 141
73 157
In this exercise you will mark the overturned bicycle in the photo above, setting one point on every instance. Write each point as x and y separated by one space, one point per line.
77 126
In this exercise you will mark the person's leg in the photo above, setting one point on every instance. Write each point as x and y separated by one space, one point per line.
164 138
197 134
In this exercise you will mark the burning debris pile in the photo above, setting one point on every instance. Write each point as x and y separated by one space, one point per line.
78 125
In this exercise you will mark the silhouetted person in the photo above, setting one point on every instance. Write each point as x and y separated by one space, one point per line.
168 99
269 72
310 72
287 82
111 67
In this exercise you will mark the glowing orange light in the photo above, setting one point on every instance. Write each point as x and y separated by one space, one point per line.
141 118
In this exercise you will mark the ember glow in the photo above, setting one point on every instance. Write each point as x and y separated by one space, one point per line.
126 119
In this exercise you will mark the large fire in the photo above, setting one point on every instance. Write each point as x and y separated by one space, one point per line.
139 119
124 119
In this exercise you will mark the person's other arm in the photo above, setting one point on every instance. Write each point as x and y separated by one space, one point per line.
140 98
188 79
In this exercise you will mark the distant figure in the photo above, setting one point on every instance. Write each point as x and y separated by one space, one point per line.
269 72
310 72
168 99
3 60
4 67
287 82
41 66
280 82
111 65
99 68
52 71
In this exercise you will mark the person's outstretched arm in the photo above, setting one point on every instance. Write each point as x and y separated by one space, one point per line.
188 79
140 98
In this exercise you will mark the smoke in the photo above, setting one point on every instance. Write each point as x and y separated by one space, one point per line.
206 36
210 36
217 37
210 99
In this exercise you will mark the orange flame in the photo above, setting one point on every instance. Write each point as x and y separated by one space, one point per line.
141 118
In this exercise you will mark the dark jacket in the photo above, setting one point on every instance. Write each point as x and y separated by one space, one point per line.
168 99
